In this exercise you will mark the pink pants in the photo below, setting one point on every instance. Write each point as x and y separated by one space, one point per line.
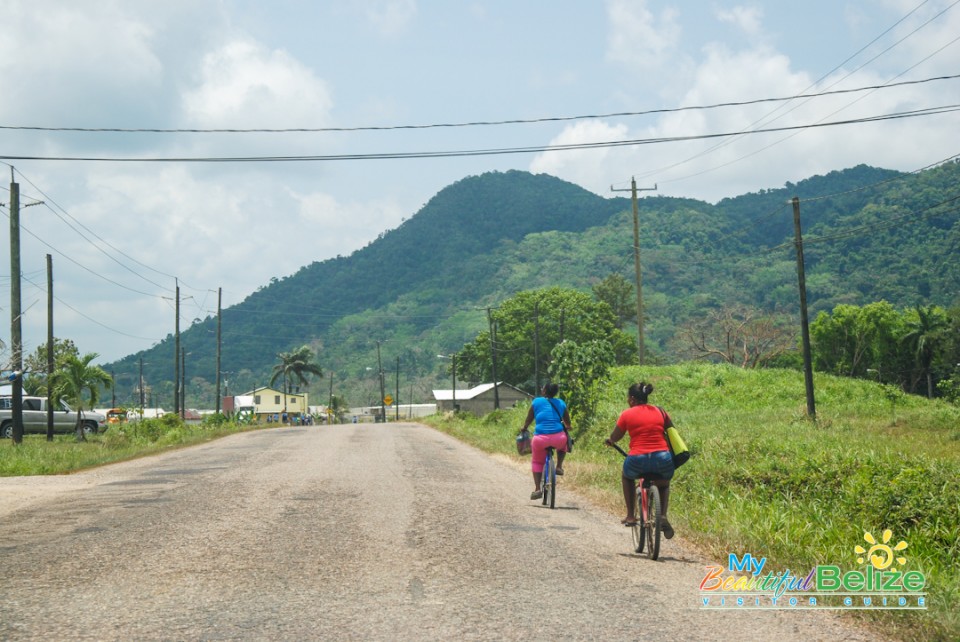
539 446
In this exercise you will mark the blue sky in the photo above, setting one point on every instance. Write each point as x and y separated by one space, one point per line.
120 233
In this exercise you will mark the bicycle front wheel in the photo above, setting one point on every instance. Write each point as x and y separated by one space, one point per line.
652 522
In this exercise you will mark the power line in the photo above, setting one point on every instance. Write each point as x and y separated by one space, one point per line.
88 318
480 123
536 149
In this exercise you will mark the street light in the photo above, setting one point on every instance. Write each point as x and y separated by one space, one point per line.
453 360
876 372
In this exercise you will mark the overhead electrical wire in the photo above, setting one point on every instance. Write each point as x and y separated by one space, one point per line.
49 202
88 318
534 149
481 123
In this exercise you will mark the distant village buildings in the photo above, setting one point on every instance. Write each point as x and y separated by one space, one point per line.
481 399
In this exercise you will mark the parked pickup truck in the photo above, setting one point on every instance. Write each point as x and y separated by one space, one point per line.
35 417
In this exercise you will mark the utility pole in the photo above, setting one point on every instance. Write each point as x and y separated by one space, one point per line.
176 352
330 405
804 321
383 408
396 399
183 381
16 338
50 361
219 310
141 388
641 351
493 358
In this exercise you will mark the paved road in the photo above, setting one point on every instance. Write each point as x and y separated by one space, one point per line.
370 532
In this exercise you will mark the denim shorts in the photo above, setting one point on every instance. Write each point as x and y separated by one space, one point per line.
659 463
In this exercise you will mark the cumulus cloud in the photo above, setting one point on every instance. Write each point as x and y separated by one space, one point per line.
591 168
716 168
390 17
245 84
638 37
747 19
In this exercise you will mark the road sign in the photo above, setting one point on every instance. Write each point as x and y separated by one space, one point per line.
388 400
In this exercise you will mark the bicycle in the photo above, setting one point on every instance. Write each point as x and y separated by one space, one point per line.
548 483
646 530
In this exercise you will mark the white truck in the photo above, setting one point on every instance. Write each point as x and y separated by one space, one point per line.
35 417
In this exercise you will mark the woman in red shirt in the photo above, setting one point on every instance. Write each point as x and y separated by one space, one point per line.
649 455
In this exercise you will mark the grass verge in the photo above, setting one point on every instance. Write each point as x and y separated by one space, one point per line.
37 456
766 480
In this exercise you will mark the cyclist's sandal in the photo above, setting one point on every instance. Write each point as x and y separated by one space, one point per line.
537 494
666 528
629 522
559 471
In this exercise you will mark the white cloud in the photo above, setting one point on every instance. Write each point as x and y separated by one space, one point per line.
747 19
713 169
244 84
592 169
390 17
639 38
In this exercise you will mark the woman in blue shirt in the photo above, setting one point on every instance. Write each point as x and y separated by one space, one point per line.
552 422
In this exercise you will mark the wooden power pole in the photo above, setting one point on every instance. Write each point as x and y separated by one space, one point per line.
641 350
804 321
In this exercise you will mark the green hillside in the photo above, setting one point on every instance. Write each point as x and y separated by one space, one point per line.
420 289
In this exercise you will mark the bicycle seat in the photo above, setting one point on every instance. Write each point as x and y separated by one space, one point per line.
652 477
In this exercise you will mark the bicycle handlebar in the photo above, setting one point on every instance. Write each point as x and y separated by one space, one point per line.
619 449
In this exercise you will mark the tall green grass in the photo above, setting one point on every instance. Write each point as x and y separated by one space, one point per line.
37 456
766 480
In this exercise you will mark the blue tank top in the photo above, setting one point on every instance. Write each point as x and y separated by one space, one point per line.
547 415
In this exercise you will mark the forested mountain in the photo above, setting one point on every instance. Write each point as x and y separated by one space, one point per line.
421 289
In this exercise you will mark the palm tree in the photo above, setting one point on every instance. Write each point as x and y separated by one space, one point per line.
295 366
77 379
923 335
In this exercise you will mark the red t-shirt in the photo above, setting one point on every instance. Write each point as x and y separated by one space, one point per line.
644 424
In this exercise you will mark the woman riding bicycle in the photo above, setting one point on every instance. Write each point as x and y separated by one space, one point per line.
649 452
552 423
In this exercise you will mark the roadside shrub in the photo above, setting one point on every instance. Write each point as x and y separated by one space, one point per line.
151 430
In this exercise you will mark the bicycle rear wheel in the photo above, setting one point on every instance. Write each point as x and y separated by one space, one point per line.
637 530
652 522
545 480
553 482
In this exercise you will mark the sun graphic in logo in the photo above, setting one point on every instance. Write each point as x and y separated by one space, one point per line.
881 555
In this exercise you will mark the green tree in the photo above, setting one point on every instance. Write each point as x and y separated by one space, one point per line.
924 333
582 371
617 292
529 325
338 408
295 366
78 383
35 365
852 340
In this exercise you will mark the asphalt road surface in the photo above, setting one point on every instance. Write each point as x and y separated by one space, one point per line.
353 532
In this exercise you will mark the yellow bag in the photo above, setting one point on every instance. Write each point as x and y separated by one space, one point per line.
678 448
